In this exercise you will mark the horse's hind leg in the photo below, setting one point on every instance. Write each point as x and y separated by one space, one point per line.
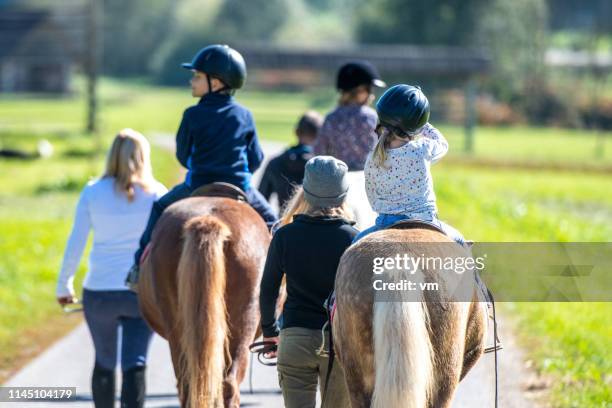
359 396
231 391
243 322
447 373
181 386
461 342
447 380
355 353
475 336
231 382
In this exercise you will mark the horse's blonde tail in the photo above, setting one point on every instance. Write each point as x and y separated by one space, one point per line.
202 312
402 355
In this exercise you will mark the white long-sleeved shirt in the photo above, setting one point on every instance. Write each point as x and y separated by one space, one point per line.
404 185
117 225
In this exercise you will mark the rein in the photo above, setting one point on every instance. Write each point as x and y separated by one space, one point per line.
261 348
331 354
73 307
496 346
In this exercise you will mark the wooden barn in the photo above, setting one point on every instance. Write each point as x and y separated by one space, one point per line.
302 66
36 52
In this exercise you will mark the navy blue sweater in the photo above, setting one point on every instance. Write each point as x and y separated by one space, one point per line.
284 173
217 141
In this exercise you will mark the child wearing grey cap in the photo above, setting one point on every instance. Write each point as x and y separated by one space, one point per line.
315 231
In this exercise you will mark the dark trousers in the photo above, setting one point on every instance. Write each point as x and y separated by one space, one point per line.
105 311
254 197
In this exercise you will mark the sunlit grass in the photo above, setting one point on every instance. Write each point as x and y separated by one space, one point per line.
570 342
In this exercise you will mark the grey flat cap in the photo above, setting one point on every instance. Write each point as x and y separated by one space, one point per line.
325 182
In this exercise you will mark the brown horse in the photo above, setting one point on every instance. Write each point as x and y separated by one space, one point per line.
404 354
199 289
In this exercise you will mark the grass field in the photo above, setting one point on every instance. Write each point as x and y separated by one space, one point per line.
569 342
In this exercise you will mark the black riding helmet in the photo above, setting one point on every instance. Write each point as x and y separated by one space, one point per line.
222 62
356 73
404 108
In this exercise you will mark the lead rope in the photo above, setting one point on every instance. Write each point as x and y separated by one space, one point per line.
330 366
331 353
495 347
251 375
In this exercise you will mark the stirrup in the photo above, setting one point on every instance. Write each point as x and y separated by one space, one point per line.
497 344
496 347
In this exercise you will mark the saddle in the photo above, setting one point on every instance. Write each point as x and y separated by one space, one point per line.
413 224
220 189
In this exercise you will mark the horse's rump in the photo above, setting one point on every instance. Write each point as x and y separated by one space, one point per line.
402 353
207 252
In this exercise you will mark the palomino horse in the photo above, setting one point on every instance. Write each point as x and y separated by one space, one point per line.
199 289
404 354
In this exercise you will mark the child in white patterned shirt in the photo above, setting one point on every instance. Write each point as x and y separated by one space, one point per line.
398 177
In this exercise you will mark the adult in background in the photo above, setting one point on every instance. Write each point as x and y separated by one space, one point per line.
307 249
348 132
115 207
285 172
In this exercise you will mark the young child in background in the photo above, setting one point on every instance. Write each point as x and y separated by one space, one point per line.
216 141
285 172
397 172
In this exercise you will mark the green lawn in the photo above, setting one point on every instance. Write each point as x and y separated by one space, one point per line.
570 342
521 205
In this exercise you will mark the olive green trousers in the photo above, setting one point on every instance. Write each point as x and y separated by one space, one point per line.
301 369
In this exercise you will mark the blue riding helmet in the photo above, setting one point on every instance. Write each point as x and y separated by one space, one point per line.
403 107
222 62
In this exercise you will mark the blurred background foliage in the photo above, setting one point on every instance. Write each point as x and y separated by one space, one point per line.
146 38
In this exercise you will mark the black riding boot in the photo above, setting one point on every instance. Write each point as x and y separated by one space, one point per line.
103 387
133 387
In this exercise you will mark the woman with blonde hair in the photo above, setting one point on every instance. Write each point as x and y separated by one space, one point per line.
306 249
116 207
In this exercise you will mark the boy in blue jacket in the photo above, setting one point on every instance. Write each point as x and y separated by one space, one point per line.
216 140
